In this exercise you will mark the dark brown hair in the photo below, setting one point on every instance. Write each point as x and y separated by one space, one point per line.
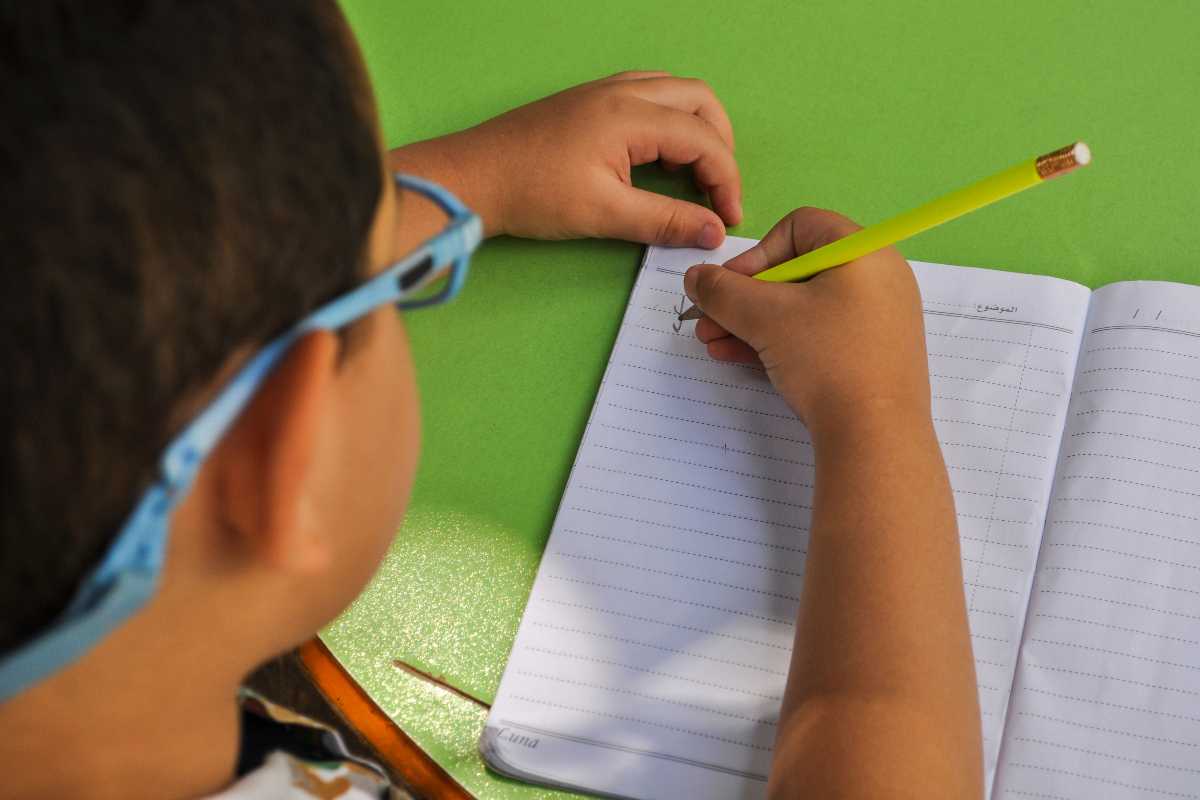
178 178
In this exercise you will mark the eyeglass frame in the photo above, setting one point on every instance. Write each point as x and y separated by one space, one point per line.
129 573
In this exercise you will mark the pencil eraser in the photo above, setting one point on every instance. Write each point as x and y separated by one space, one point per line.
1083 154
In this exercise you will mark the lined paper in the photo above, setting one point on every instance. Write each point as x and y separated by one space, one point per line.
1107 698
652 656
1001 382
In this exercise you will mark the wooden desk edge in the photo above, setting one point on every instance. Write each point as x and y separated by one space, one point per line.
380 730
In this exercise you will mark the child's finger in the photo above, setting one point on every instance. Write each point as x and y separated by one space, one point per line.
800 232
738 303
813 228
634 75
731 348
751 262
775 248
682 138
722 345
690 95
640 216
708 329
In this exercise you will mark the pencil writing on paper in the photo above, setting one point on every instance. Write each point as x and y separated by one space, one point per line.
678 311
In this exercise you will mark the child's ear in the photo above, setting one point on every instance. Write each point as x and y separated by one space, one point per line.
263 464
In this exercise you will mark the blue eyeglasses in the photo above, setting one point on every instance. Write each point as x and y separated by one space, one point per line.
129 573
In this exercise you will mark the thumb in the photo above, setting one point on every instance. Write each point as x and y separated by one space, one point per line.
736 302
640 216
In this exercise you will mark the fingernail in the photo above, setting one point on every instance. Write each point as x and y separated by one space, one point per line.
710 236
689 283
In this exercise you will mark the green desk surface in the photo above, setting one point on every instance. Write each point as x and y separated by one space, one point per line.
862 106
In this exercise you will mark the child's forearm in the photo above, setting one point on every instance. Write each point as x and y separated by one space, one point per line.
453 161
445 161
881 697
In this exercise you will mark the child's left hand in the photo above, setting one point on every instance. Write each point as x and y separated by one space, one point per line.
559 168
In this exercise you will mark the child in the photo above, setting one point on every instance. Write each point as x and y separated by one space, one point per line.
183 182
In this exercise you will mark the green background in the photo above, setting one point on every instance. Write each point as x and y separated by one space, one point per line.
868 108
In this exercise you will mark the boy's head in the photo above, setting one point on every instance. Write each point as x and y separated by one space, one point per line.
180 181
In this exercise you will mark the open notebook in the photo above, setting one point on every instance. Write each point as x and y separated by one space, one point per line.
652 656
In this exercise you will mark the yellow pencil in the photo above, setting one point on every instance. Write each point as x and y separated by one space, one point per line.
922 218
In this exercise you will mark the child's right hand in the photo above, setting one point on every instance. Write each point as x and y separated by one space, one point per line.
881 689
847 342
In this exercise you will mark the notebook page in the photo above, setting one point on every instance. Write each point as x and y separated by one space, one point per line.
1002 352
651 657
1107 696
653 652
